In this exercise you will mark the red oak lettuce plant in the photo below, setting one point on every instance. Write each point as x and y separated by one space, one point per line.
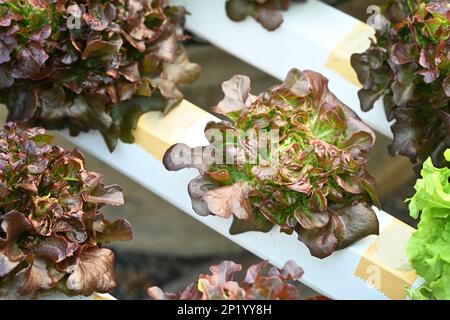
313 179
266 12
91 64
259 284
51 229
409 66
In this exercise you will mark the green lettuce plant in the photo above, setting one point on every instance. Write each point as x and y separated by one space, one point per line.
408 65
91 64
310 178
429 246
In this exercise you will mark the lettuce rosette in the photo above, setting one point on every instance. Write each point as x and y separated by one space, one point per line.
294 156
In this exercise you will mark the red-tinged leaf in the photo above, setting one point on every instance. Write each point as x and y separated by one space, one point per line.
131 72
269 172
265 286
229 200
70 203
266 12
349 184
13 224
320 242
356 222
287 292
291 271
197 188
36 277
70 264
119 230
303 186
223 272
156 293
373 75
190 293
359 141
271 210
29 184
94 273
46 207
100 17
254 271
236 93
38 167
42 34
213 286
270 19
401 53
311 220
30 60
111 195
180 156
55 249
221 176
91 179
39 3
297 83
98 48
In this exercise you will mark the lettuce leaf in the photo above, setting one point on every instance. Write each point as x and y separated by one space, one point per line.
265 12
429 246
